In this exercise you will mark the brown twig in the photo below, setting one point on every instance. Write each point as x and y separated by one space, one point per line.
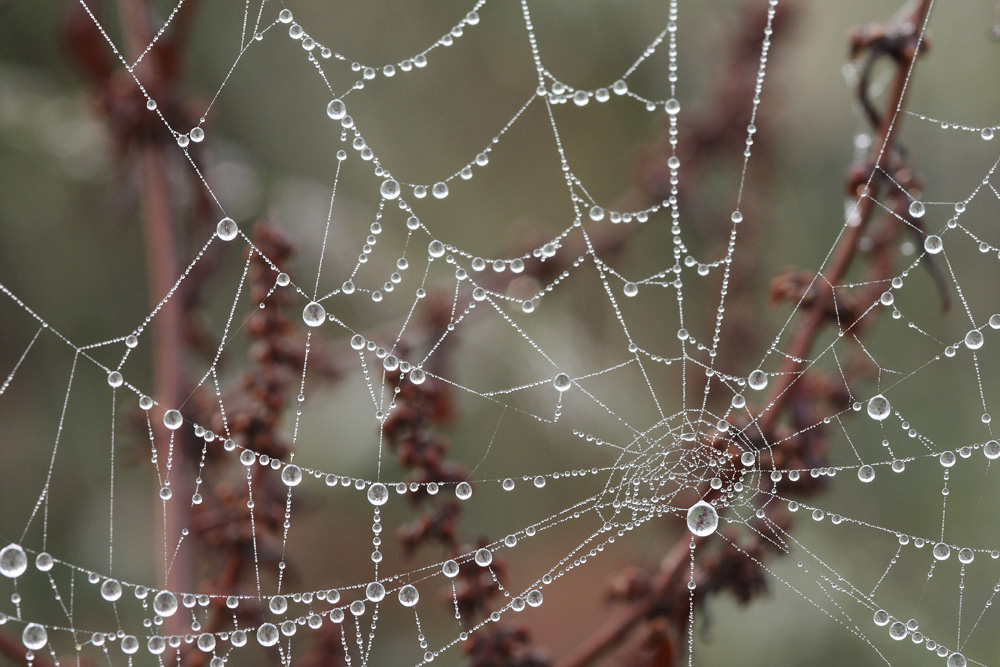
673 567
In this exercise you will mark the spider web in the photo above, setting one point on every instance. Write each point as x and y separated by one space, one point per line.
468 264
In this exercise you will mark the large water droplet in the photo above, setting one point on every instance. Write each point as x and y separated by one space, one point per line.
375 591
917 209
702 519
562 382
757 380
933 244
450 568
378 494
165 604
173 419
879 408
268 635
34 636
484 557
866 473
408 595
463 491
313 314
111 590
291 475
13 561
227 229
389 189
336 109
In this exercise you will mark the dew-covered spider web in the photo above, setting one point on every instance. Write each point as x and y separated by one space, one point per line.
477 311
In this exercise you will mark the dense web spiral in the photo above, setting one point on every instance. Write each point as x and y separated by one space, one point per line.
611 397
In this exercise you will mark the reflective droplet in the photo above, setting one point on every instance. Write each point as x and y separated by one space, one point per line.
440 190
44 561
336 109
508 484
957 659
966 556
974 339
917 209
534 598
463 491
165 604
314 314
375 591
881 618
631 289
111 590
435 249
879 408
378 494
13 561
268 635
941 551
672 106
227 229
156 645
992 449
702 519
206 642
757 380
596 213
748 459
408 595
933 244
562 382
866 473
172 419
897 631
450 568
34 636
389 189
484 557
947 459
291 475
417 376
357 607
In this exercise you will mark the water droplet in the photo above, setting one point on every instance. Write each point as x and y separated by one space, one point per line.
435 249
440 190
917 209
879 408
450 568
631 289
463 491
881 618
378 494
897 631
417 376
992 449
562 382
702 519
227 229
508 484
933 244
947 459
974 339
291 475
206 642
484 557
172 419
757 380
747 459
314 314
34 636
672 107
408 595
941 551
986 133
267 634
534 598
389 189
13 561
866 473
44 561
336 109
156 645
375 591
165 604
619 87
539 481
111 590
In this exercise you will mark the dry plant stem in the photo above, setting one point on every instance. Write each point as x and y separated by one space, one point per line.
847 245
677 560
168 327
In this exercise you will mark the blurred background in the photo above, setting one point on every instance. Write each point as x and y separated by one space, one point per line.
75 249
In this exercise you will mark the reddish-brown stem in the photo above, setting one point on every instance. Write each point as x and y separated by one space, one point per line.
168 325
812 322
806 332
